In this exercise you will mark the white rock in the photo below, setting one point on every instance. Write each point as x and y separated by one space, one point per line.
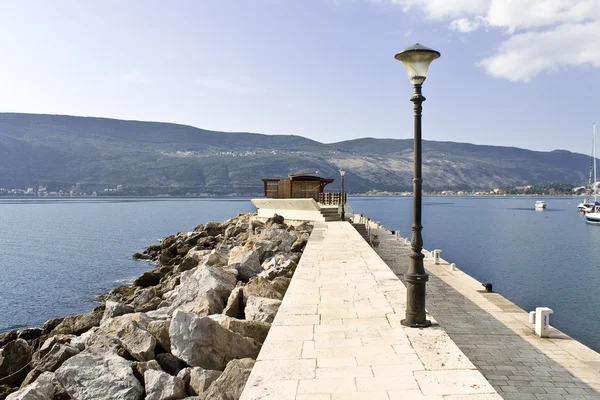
202 342
246 260
94 375
200 379
200 281
41 389
162 386
230 384
261 309
129 330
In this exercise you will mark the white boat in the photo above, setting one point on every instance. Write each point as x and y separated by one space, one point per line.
588 205
540 205
592 214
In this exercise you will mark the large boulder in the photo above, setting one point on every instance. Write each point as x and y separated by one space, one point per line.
130 331
146 299
230 385
78 324
261 309
280 265
160 330
114 309
246 260
93 375
256 330
7 337
299 244
58 354
202 342
280 238
149 278
200 280
15 358
162 386
41 389
208 303
261 287
192 259
201 379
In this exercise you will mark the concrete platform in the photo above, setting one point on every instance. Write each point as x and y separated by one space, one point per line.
337 334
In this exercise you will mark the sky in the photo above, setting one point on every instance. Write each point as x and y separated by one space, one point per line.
522 73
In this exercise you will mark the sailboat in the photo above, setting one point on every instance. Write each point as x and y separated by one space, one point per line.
593 215
587 205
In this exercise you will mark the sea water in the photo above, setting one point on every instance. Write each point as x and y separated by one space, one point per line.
56 255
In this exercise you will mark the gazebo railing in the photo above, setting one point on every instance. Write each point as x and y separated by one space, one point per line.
332 199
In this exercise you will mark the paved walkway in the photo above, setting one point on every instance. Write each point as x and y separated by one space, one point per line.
496 336
337 334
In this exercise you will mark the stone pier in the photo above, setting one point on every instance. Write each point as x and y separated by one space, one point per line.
338 335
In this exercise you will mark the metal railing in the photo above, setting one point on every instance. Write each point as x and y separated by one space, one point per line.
332 199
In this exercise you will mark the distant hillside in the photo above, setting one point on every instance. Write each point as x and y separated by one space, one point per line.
160 158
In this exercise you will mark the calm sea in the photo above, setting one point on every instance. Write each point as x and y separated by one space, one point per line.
56 255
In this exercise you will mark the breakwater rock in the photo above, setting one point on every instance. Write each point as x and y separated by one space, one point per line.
190 328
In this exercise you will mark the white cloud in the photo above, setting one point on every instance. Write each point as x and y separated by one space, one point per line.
544 35
241 86
525 55
464 25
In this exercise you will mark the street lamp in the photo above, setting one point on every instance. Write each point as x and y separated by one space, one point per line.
416 59
342 173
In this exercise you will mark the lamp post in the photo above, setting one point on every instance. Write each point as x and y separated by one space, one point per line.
416 59
342 173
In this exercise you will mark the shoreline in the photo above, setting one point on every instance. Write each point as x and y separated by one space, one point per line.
224 277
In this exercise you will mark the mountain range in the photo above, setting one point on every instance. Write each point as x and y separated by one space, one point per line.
62 152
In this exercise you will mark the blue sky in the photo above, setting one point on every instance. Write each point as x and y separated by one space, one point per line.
521 73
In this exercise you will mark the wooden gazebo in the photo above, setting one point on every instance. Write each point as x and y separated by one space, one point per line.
299 186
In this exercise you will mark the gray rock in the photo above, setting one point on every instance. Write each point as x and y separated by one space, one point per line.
217 258
114 309
15 358
235 303
202 342
146 300
192 259
208 303
140 367
129 330
299 245
200 379
256 330
29 334
41 389
246 260
278 266
59 353
78 324
50 342
93 375
162 386
160 330
261 309
281 238
149 278
261 287
7 337
281 284
200 280
230 385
